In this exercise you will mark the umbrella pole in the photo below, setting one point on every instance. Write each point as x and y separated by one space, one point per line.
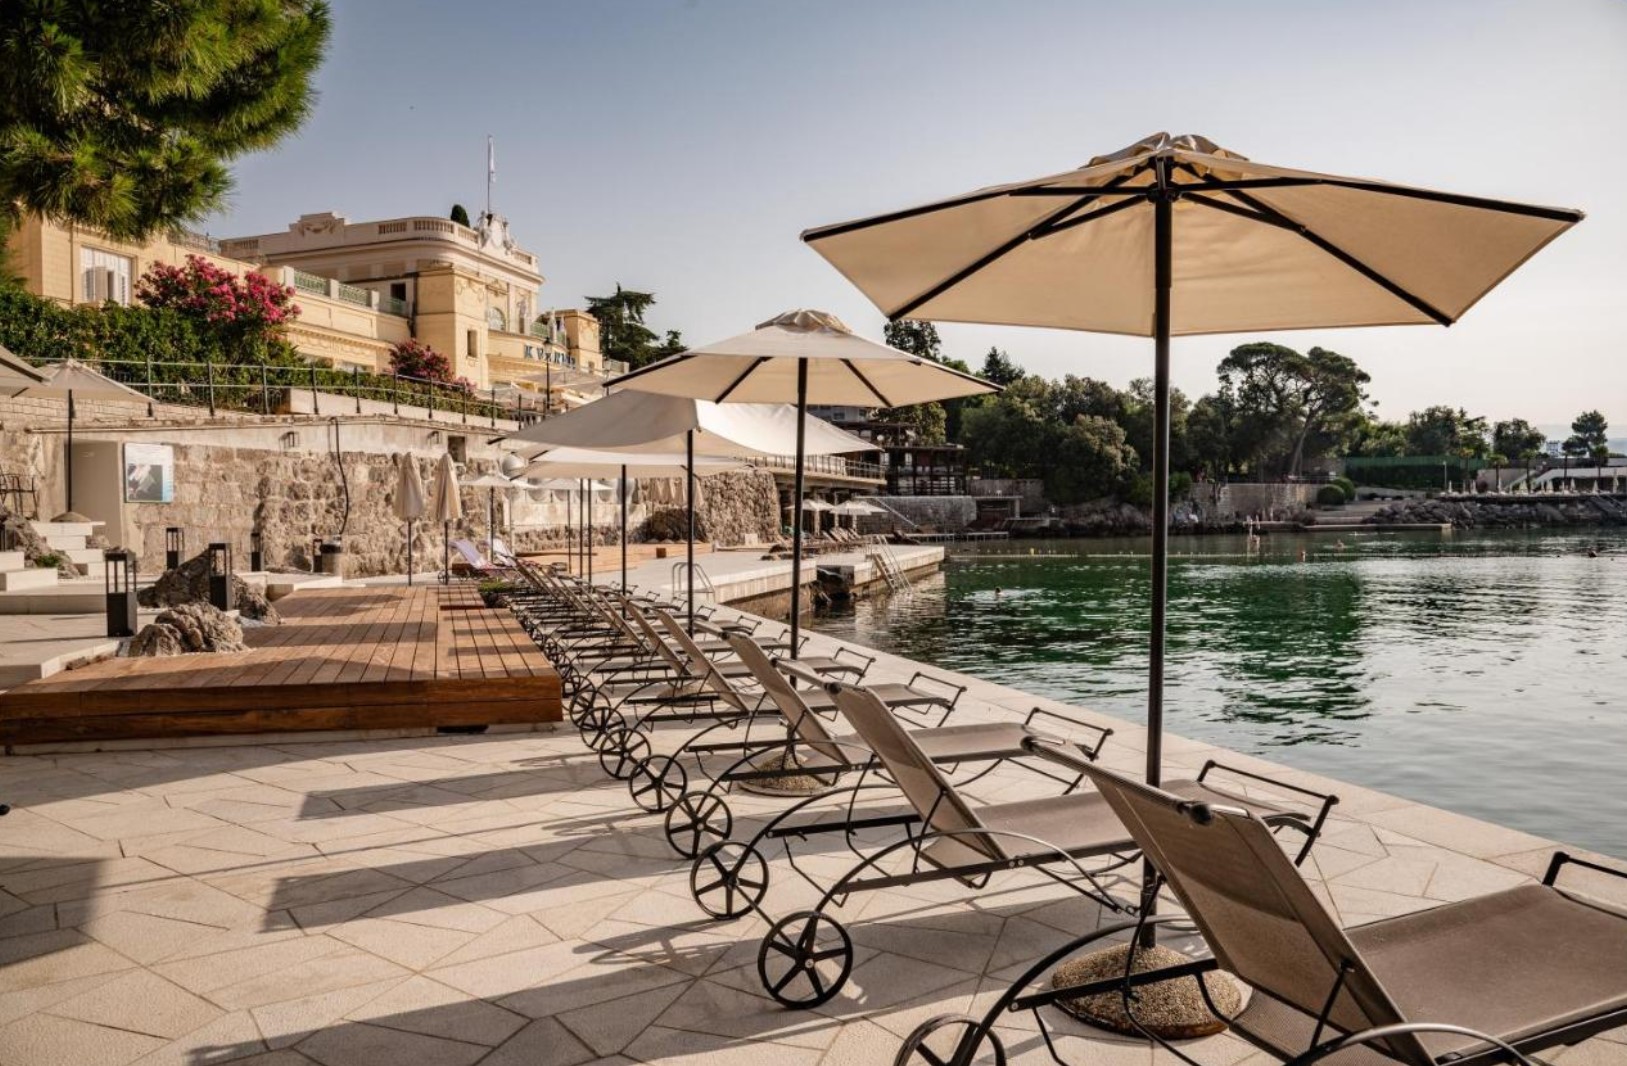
587 531
689 499
796 506
491 525
624 527
409 550
69 456
446 553
1163 224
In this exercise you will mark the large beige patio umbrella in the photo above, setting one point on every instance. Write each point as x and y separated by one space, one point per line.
446 505
408 501
805 357
1176 236
668 424
71 379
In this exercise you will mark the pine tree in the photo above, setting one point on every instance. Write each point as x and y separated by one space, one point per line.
123 116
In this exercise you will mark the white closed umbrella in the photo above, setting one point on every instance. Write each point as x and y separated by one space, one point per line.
492 483
408 502
70 380
804 357
1177 236
447 507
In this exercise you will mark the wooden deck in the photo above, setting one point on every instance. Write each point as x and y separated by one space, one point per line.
349 658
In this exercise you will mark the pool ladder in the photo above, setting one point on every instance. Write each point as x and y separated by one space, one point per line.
882 555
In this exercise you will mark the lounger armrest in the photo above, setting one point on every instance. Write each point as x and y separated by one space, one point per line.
792 668
1563 858
867 660
1091 750
1325 802
957 690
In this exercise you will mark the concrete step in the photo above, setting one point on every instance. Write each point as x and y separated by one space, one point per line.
66 542
12 561
65 529
81 596
33 578
88 560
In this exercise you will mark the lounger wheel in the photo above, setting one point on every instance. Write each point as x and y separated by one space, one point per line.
959 1045
697 821
623 750
599 726
805 959
729 879
656 782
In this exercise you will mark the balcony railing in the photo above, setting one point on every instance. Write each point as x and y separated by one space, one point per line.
314 284
352 294
834 465
393 305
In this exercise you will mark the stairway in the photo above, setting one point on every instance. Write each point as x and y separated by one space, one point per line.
16 574
882 556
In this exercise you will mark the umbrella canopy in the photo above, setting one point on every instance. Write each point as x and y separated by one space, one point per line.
1252 247
842 368
584 462
446 501
81 381
1175 236
857 507
809 357
489 481
642 421
815 505
17 374
408 503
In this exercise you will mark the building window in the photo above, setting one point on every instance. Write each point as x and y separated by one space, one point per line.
471 340
398 290
494 318
105 276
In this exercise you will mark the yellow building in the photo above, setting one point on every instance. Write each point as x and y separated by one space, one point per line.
470 293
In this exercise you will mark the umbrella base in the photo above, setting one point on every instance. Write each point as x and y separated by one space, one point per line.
1173 1009
793 784
71 516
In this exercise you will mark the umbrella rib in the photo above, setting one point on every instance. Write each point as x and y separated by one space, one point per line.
1000 252
744 374
820 233
1264 214
866 383
1243 183
1080 220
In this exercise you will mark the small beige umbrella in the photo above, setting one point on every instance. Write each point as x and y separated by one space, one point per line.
447 507
408 503
805 357
72 379
16 374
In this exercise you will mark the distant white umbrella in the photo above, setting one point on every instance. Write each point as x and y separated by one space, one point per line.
583 462
71 379
651 421
408 503
492 483
446 507
803 357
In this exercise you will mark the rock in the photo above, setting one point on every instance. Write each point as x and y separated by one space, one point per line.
189 584
187 629
32 545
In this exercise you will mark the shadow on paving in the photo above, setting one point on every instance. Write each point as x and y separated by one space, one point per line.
449 791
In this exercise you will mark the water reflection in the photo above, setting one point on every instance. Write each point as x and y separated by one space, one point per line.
1479 672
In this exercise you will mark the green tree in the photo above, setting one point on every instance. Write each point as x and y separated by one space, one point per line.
1138 419
460 214
999 368
123 116
622 332
1010 435
924 423
1208 435
1515 438
1292 404
1374 438
1589 435
1445 430
1090 460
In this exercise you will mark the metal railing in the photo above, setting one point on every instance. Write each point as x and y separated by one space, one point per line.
256 388
834 465
354 294
393 305
314 284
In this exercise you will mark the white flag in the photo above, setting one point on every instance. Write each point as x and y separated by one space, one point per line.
491 159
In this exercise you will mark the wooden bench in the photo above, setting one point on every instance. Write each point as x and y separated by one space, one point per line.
343 659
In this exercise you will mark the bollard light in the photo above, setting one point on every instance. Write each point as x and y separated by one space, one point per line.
220 575
257 554
119 576
174 544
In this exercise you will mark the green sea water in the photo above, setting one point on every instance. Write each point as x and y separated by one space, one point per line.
1482 673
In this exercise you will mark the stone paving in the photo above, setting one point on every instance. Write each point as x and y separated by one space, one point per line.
448 901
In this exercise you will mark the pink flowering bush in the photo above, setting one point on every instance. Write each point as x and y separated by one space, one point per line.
248 304
415 359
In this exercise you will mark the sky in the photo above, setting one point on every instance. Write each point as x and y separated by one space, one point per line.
680 147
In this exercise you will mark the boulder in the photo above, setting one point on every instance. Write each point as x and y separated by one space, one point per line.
31 544
189 584
188 628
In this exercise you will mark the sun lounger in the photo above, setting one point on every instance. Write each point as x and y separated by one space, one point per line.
1489 979
805 957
